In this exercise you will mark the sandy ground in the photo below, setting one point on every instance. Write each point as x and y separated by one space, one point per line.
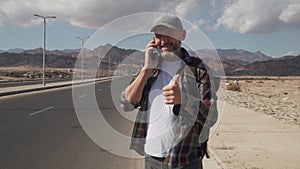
260 126
19 71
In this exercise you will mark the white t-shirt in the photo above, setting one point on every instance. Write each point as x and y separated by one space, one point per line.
162 121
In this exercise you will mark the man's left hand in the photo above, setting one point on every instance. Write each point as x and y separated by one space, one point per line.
172 92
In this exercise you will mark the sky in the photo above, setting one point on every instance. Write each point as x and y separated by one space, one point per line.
269 26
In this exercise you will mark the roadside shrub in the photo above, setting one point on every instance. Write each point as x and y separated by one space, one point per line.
233 87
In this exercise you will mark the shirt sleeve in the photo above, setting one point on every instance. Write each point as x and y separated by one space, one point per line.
200 98
208 106
125 104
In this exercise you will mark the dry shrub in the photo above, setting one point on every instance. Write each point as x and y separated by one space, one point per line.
260 81
233 87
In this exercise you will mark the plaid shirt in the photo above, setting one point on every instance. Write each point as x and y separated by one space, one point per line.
192 114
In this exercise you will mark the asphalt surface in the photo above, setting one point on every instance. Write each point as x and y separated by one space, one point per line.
40 130
23 83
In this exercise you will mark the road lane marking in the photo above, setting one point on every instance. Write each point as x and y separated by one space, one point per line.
40 111
99 90
79 97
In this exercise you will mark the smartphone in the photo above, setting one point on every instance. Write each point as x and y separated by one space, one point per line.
155 52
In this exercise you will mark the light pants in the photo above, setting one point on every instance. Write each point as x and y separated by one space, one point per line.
151 163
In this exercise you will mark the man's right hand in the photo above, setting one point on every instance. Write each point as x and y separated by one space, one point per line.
151 56
134 91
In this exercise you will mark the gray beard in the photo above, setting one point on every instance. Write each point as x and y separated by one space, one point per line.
169 56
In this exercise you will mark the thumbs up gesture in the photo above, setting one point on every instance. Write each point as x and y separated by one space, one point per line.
172 92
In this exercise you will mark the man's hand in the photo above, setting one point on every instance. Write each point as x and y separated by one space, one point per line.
172 92
151 61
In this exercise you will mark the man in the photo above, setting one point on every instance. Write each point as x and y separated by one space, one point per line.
174 104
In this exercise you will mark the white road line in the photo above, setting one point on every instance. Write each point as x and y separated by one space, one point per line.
40 111
99 90
79 97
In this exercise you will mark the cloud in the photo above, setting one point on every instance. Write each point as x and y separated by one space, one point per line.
241 16
260 16
291 15
87 13
290 53
83 13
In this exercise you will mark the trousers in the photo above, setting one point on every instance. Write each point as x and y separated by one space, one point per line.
154 163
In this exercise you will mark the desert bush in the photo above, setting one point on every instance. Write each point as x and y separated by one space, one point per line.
260 81
233 87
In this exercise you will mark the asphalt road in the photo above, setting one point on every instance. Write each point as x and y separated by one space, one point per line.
23 83
40 130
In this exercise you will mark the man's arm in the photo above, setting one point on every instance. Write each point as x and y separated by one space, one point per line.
134 91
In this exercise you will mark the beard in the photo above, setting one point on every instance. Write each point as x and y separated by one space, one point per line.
171 55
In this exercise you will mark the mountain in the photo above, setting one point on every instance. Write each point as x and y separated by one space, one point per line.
287 57
232 61
277 67
65 52
24 59
17 50
66 58
71 50
237 55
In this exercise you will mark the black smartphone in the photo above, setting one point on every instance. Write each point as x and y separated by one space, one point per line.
155 52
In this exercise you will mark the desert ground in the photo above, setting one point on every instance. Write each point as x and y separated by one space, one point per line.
260 125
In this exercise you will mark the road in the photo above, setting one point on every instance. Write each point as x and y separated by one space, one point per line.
23 83
40 130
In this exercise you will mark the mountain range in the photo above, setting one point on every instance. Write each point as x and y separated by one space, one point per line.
236 62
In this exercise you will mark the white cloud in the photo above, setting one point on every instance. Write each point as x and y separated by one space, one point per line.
242 16
291 15
84 13
184 8
260 16
290 53
87 13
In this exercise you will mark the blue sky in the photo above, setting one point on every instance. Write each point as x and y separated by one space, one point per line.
269 26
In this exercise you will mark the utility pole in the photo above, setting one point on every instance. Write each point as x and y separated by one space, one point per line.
82 43
44 49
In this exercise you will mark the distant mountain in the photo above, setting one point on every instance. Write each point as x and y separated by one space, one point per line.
276 67
17 50
287 57
65 52
24 59
238 55
229 65
71 50
234 62
34 51
67 58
